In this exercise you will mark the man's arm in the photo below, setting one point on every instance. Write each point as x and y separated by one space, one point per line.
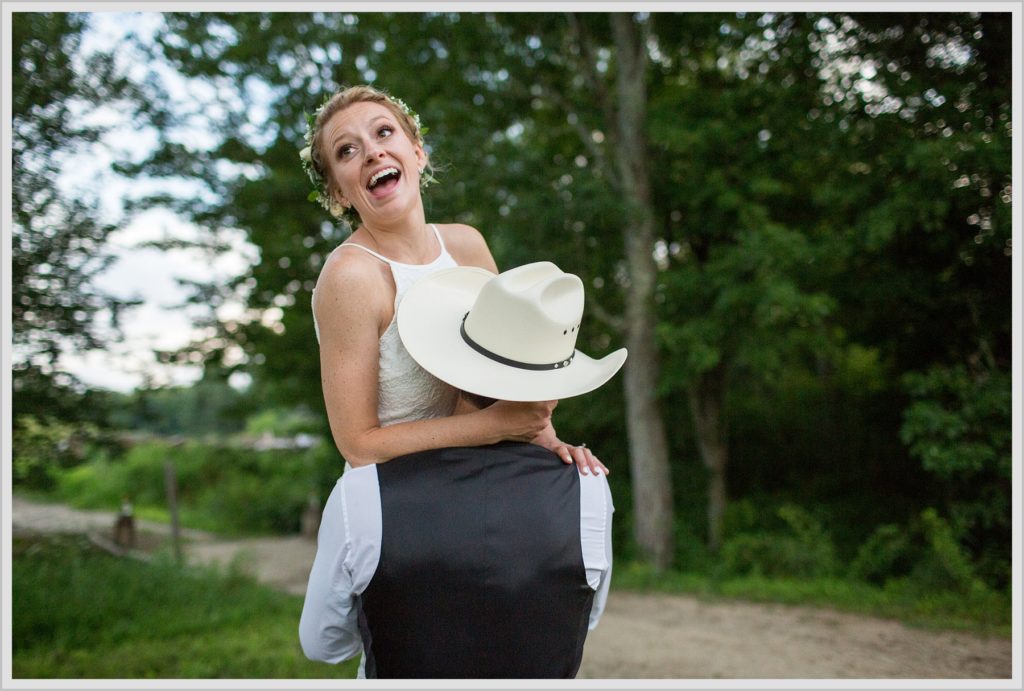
596 510
601 596
328 629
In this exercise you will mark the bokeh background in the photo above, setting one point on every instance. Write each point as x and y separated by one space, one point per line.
798 223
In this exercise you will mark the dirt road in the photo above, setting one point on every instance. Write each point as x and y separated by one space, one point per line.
652 636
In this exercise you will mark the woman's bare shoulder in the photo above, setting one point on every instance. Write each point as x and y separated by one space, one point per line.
467 245
348 273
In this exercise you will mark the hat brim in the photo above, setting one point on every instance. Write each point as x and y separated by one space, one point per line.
429 320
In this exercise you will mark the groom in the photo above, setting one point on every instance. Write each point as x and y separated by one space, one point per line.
482 562
486 562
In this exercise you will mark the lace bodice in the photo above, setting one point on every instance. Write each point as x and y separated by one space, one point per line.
405 391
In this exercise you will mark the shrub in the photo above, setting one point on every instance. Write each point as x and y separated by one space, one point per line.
944 565
40 448
925 555
886 554
222 488
805 550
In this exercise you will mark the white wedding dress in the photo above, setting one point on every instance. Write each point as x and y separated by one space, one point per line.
405 391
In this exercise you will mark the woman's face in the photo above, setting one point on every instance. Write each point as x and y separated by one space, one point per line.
374 162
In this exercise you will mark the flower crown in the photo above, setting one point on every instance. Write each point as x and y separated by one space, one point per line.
319 192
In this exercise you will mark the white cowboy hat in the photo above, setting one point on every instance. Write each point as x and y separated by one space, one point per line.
510 336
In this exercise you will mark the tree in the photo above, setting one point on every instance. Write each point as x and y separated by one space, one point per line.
932 254
59 239
294 238
722 182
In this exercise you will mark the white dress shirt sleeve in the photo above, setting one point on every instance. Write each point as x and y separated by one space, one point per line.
348 550
596 511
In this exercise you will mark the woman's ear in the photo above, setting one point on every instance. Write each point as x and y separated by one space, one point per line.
337 196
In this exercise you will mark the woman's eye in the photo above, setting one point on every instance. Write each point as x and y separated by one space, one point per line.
384 131
345 150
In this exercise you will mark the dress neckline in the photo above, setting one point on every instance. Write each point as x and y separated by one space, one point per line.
394 262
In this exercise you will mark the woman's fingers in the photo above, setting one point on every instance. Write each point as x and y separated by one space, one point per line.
583 457
595 463
586 461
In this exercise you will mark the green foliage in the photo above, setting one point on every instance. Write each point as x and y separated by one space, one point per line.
803 549
40 449
80 613
283 422
209 406
945 565
60 238
925 554
958 425
222 488
884 555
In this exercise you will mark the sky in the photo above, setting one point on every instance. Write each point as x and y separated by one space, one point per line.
140 272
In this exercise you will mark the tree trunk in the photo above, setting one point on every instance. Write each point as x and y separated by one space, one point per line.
652 482
706 398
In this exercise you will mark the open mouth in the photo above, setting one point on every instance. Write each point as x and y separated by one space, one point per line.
384 180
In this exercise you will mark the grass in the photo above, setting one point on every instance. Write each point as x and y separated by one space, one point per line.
81 613
983 612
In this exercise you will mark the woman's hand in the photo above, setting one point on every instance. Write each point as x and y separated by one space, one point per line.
521 421
584 458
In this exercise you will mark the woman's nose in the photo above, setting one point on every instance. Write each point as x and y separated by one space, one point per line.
374 152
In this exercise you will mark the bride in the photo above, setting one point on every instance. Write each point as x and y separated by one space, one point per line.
366 158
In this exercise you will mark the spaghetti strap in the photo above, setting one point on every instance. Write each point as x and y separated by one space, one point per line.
367 250
437 233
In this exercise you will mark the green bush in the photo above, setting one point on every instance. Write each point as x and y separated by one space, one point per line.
691 551
40 448
803 550
99 483
222 488
886 554
924 555
944 566
283 422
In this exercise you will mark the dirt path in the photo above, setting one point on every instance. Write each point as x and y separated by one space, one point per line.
651 636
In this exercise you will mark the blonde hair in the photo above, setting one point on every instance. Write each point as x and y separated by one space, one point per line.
361 93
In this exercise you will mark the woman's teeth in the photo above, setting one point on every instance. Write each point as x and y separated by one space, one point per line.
380 174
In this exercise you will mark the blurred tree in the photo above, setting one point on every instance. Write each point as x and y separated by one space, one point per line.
59 237
736 154
209 407
485 143
745 195
926 275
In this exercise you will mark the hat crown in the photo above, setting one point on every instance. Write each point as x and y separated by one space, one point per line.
529 314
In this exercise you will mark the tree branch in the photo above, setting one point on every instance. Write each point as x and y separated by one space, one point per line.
594 81
610 320
595 150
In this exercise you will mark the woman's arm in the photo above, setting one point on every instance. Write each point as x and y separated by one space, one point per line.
352 309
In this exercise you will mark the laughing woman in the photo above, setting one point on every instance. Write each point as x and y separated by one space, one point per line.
367 160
